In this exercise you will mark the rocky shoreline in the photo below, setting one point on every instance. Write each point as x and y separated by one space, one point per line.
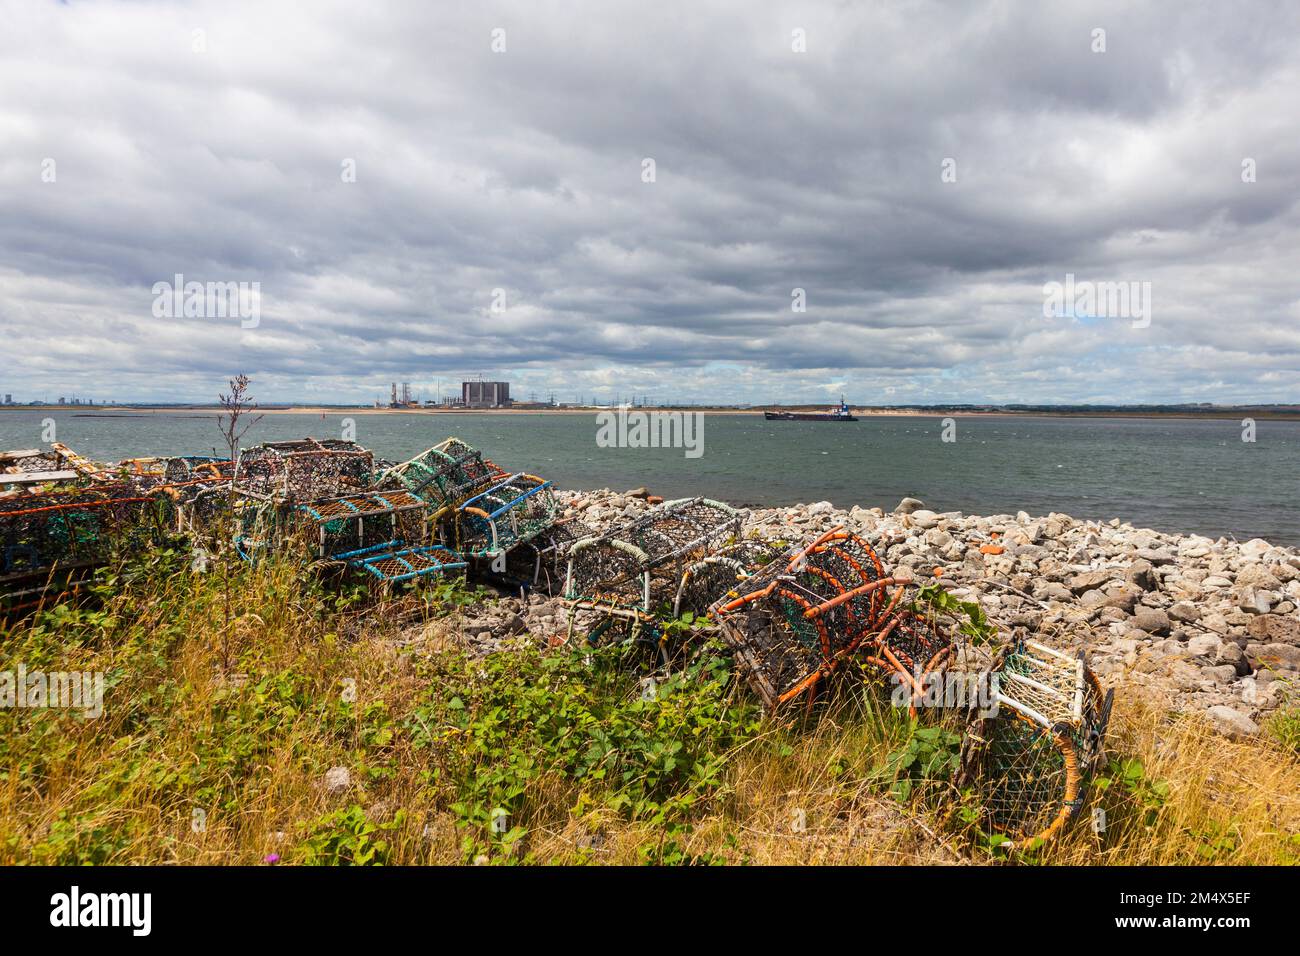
1202 625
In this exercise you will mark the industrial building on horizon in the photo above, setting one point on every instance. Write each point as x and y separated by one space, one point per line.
475 394
485 394
63 400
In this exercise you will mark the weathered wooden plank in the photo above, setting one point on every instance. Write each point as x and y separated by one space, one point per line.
36 477
84 466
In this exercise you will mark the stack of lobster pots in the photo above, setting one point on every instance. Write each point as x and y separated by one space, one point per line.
797 618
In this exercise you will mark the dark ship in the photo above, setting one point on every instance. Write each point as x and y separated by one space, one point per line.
840 414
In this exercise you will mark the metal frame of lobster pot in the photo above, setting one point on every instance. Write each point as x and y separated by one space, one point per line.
794 624
541 562
384 534
509 513
56 537
623 576
445 475
1028 764
308 469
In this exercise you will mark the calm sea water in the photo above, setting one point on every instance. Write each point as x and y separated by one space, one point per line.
1172 475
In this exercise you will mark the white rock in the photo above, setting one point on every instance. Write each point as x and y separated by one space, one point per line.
1255 548
1254 602
923 518
1232 723
1204 645
338 780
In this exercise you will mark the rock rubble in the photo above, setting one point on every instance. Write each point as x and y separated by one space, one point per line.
1201 624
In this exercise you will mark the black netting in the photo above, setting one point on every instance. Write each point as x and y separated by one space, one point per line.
306 470
796 619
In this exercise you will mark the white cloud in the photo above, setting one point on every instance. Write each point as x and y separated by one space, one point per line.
521 171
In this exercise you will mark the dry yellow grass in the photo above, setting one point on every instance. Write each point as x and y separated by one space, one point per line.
234 702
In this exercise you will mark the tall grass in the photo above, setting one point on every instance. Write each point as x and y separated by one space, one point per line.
232 693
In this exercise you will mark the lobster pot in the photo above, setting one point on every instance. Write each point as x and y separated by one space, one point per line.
541 562
37 531
201 506
382 534
606 571
635 572
303 471
841 562
663 543
77 527
342 526
914 643
682 530
786 635
509 513
606 589
904 646
775 646
798 619
177 470
187 468
708 580
33 461
326 498
200 489
446 474
258 526
1027 765
1024 779
406 564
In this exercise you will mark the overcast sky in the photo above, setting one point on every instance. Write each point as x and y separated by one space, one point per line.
217 140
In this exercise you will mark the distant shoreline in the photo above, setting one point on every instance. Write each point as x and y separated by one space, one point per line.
128 411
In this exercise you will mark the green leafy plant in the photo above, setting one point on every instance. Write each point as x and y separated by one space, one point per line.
1216 841
934 599
574 724
1141 793
347 837
928 757
454 592
1284 726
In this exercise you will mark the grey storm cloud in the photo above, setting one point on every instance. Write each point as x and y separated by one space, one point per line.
211 139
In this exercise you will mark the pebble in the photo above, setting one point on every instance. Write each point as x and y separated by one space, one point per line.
1232 723
1152 620
338 780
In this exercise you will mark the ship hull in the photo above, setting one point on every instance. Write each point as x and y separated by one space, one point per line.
806 417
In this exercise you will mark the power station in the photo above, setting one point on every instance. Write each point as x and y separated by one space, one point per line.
476 394
485 394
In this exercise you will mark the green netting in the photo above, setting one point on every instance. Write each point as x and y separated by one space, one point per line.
446 474
1018 778
510 513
